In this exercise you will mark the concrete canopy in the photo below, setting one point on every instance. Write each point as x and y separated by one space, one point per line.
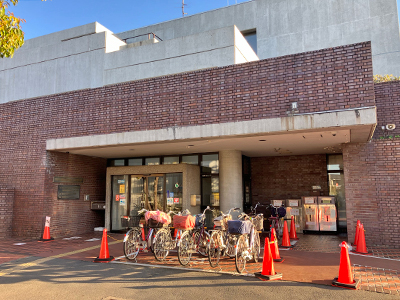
294 135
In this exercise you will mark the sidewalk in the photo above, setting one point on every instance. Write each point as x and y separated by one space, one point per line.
314 259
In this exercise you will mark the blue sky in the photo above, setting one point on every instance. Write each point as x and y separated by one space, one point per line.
117 15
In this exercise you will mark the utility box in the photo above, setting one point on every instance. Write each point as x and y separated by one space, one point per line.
295 209
97 205
310 213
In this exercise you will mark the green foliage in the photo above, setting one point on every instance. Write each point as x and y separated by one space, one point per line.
11 35
385 78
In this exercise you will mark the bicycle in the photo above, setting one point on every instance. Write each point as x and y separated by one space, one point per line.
200 234
277 215
248 244
221 242
134 241
164 242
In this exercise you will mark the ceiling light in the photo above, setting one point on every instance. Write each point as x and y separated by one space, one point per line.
262 140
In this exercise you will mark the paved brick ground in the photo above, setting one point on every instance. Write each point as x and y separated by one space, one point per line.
314 259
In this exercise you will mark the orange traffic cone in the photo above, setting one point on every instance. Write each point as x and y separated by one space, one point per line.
293 234
285 237
46 232
268 271
357 233
274 247
361 247
104 255
345 278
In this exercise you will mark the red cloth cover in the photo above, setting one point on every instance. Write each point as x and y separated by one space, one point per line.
184 222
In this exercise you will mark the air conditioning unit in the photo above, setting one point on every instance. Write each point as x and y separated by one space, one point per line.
390 126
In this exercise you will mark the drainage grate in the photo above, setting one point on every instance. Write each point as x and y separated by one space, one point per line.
377 279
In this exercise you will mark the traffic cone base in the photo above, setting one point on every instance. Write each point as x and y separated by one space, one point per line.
279 260
277 276
355 285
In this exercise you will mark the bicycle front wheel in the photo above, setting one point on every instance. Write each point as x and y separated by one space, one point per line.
256 247
186 246
161 243
132 241
214 251
241 247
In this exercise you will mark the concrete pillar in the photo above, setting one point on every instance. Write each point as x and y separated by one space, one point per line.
230 179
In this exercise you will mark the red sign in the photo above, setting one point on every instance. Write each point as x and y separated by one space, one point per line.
176 200
116 197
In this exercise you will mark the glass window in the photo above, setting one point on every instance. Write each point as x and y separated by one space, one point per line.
190 159
251 38
211 161
151 161
335 162
135 162
174 191
171 160
117 162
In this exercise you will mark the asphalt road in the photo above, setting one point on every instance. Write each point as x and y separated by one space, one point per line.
56 278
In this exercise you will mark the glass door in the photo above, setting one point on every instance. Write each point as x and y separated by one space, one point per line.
154 187
119 201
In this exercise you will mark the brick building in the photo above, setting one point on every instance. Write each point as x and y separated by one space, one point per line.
96 119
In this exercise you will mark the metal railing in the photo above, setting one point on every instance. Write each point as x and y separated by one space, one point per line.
148 36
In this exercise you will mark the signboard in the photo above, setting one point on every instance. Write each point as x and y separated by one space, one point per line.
47 223
176 185
294 211
68 180
293 202
309 200
171 195
170 201
277 202
122 189
121 181
122 200
116 197
176 200
68 192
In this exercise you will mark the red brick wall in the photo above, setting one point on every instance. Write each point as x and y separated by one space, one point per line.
70 217
387 97
372 172
287 177
321 80
6 212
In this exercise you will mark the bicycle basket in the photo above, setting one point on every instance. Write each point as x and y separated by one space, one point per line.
239 226
281 212
199 220
130 221
184 222
222 221
258 222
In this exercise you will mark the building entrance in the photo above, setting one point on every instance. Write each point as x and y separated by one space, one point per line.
130 193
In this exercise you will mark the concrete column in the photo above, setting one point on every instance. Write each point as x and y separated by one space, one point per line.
230 179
